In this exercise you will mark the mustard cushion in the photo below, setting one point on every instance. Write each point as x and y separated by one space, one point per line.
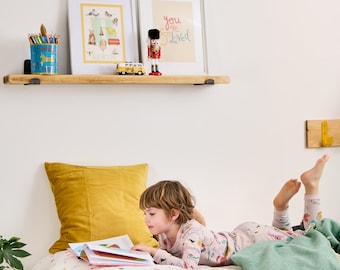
97 202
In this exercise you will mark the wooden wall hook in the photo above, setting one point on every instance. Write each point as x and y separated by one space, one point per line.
326 140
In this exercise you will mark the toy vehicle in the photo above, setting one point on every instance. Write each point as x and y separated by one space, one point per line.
130 68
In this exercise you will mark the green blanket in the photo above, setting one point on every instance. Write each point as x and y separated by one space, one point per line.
310 251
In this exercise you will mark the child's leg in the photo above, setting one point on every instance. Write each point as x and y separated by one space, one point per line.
281 201
310 180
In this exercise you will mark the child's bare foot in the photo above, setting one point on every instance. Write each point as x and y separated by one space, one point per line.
311 178
289 189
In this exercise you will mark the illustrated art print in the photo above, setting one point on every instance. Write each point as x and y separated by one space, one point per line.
102 34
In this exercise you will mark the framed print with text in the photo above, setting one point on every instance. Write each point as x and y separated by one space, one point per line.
182 35
102 34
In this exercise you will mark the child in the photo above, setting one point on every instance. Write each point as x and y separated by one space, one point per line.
169 208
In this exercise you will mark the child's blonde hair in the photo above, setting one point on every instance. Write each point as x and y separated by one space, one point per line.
168 195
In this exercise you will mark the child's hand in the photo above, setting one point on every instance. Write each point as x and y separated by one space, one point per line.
141 247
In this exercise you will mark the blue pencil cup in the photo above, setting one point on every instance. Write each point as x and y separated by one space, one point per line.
44 59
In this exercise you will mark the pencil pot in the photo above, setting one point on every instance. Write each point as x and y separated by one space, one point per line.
44 59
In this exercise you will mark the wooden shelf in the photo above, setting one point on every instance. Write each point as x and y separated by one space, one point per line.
27 79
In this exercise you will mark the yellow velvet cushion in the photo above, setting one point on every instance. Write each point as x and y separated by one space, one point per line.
97 202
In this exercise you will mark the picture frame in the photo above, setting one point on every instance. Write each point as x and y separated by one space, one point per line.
102 34
182 35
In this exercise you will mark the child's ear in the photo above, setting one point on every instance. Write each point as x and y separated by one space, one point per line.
174 214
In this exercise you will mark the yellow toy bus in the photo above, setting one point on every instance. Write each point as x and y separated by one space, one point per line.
130 68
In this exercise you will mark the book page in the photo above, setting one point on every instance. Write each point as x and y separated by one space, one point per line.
122 241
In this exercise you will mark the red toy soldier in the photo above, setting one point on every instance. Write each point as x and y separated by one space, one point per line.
154 51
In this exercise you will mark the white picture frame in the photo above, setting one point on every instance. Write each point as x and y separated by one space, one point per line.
180 21
102 34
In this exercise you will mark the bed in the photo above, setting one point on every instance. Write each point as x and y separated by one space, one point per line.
64 260
98 202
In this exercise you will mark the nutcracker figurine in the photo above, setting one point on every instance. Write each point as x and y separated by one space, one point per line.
154 51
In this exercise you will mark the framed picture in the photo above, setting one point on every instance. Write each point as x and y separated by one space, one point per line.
102 34
182 35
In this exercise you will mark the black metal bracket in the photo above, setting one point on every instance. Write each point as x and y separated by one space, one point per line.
33 81
207 81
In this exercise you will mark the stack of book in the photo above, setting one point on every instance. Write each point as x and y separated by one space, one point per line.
115 251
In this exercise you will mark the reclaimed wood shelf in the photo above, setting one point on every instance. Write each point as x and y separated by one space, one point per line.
322 133
29 79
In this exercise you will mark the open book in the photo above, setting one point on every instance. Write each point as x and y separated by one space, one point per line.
113 251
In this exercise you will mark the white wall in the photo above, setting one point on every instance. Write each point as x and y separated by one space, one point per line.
233 145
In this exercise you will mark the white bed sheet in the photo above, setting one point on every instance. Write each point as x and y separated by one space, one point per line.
64 260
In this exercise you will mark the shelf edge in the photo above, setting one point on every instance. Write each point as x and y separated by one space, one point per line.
113 79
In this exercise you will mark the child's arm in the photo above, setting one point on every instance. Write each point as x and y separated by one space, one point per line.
141 247
190 245
161 256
